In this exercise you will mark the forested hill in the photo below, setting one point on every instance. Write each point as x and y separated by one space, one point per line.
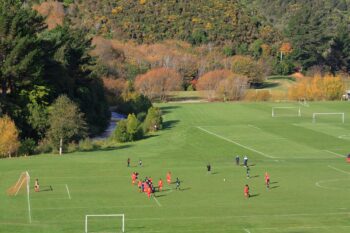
195 21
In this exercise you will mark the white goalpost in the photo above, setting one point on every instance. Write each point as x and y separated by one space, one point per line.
22 182
328 113
104 215
297 111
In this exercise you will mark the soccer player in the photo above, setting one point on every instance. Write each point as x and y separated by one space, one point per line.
208 168
128 161
237 160
149 191
140 163
246 191
177 183
133 177
168 178
139 184
160 185
248 170
267 180
36 185
245 160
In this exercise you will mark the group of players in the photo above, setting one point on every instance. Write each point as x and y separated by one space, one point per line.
147 186
246 187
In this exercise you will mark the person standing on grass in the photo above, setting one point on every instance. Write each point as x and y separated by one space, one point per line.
245 161
168 178
248 170
177 183
36 185
237 160
208 168
139 184
246 191
128 161
140 163
267 180
160 185
133 177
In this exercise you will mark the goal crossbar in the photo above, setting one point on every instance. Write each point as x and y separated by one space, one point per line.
274 108
104 215
328 113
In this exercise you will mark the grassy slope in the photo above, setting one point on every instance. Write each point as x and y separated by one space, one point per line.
99 182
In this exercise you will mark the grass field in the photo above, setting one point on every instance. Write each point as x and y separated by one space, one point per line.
310 179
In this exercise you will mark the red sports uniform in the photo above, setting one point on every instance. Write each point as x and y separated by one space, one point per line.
160 185
168 178
246 191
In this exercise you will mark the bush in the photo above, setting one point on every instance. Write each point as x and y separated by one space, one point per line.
72 147
153 121
44 146
86 145
120 133
133 128
27 147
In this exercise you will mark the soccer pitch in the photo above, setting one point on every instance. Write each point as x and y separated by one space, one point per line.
310 180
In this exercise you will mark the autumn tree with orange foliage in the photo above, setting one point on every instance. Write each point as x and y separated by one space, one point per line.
317 88
222 84
9 142
158 82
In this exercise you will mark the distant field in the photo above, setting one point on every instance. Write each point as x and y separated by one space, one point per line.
309 190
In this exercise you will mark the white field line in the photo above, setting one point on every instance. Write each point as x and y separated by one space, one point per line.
254 127
87 207
339 170
236 143
318 184
68 192
246 230
158 203
338 155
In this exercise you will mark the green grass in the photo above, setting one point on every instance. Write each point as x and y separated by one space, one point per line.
310 182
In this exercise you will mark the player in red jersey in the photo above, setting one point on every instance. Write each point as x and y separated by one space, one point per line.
246 191
267 180
133 177
168 178
160 185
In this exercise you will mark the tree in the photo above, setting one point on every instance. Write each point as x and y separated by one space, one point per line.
153 121
158 82
67 123
9 142
210 82
133 128
120 133
232 88
248 67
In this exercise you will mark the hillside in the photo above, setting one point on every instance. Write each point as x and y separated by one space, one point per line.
195 21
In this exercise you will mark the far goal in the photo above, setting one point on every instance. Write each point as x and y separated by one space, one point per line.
286 112
22 184
328 116
95 223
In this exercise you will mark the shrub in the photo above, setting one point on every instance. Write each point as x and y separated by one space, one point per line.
153 121
27 147
120 133
72 147
9 142
133 128
44 146
86 145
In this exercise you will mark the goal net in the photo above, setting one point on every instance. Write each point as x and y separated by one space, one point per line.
327 117
21 184
286 112
103 223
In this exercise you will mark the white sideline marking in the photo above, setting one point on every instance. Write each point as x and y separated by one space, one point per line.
318 184
236 143
158 203
339 170
255 127
246 230
331 152
68 192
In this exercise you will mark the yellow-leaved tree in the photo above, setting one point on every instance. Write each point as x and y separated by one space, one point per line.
9 142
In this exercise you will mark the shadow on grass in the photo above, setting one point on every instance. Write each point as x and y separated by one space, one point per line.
184 189
255 195
170 124
266 85
256 176
167 109
274 187
46 189
275 182
214 173
160 195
